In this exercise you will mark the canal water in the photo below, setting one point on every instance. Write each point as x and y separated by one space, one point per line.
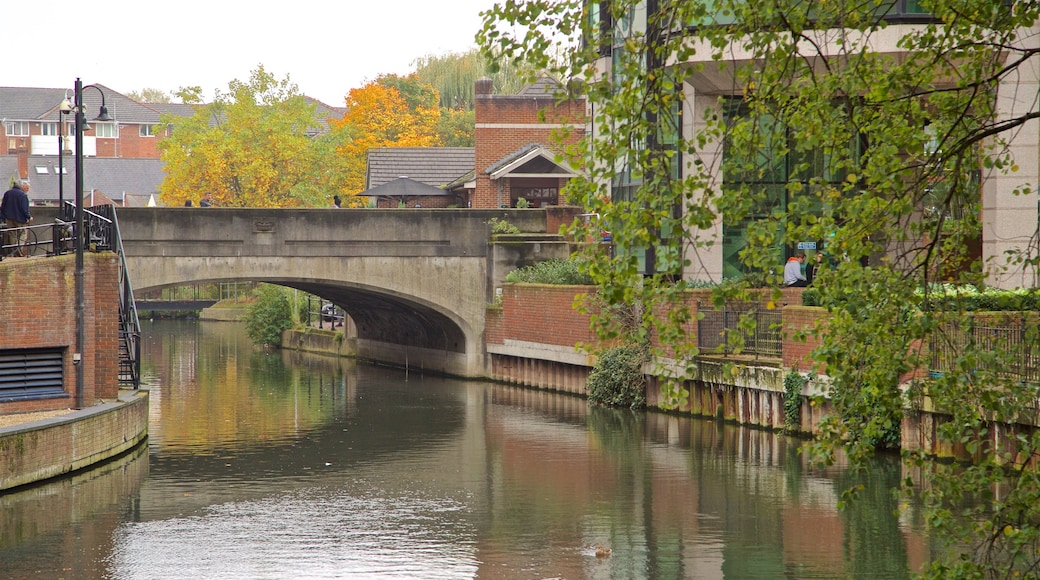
270 465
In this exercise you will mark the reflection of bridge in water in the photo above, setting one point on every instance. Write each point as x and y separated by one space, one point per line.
416 283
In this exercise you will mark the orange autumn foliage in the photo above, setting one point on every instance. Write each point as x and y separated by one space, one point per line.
379 116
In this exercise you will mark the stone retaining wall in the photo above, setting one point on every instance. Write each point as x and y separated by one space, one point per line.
36 451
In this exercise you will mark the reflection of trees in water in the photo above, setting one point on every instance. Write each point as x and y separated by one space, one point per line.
874 539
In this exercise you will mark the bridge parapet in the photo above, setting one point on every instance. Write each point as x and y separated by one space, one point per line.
416 282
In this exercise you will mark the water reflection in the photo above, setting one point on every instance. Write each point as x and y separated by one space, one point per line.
276 465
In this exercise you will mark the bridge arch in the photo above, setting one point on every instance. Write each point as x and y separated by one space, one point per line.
416 282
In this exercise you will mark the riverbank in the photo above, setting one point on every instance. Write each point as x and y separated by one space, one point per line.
45 444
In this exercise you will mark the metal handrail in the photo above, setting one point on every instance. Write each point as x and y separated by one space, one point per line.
101 232
53 243
129 323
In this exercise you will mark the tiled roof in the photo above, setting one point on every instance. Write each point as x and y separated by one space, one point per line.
513 156
404 187
114 177
176 109
34 104
436 166
543 86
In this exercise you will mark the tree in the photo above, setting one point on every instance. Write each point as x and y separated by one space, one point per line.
249 147
149 95
388 112
877 155
270 316
453 76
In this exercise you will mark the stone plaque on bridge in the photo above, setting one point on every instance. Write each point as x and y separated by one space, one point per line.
263 225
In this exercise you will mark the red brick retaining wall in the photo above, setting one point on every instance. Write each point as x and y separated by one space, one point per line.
38 310
37 451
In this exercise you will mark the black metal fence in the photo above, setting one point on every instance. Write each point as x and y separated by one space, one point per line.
58 238
1014 348
761 331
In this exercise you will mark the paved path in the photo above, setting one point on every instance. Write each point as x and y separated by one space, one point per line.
21 418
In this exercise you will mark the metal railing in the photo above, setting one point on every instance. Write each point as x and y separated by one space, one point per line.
761 334
100 233
39 240
103 233
1016 355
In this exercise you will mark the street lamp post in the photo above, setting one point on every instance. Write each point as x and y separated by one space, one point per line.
63 109
77 357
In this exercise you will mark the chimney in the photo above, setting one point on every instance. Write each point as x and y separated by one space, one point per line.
483 86
23 163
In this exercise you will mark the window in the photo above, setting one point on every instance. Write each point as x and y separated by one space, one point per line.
17 128
49 129
147 130
106 130
41 170
764 174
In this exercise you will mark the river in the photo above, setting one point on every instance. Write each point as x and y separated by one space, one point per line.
270 465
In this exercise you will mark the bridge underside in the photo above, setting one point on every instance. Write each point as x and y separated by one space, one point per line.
416 283
390 329
387 319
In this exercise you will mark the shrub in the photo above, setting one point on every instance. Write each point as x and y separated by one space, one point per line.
617 380
956 298
269 315
553 271
794 382
502 227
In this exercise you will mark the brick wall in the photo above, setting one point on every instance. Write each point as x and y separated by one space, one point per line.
58 446
541 313
38 302
500 132
130 143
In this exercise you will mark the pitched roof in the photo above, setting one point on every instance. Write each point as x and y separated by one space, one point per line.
114 176
404 187
543 86
532 160
38 104
175 109
436 166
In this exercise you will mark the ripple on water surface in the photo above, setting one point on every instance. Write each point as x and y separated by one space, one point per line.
306 534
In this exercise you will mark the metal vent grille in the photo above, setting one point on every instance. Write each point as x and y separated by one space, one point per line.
31 374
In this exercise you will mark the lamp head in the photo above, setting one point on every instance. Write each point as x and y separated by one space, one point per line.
103 115
66 106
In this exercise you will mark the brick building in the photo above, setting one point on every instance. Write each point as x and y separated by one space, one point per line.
121 156
515 153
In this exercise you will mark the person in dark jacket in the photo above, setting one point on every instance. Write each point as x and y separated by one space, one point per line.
15 210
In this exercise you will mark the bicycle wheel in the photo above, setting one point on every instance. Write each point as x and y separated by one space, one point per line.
30 245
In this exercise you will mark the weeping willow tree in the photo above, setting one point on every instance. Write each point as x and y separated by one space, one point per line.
869 127
454 74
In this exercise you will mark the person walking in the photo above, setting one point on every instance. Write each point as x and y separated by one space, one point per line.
337 202
15 210
207 200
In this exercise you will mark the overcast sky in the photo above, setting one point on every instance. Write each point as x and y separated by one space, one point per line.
326 47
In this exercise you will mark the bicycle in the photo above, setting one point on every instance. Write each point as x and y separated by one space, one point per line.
26 248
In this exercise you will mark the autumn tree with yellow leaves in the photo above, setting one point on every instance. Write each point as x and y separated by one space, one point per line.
248 148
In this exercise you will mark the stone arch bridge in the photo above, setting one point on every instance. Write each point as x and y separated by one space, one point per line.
416 282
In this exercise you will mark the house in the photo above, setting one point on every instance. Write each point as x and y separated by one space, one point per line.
514 156
516 153
398 176
121 156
